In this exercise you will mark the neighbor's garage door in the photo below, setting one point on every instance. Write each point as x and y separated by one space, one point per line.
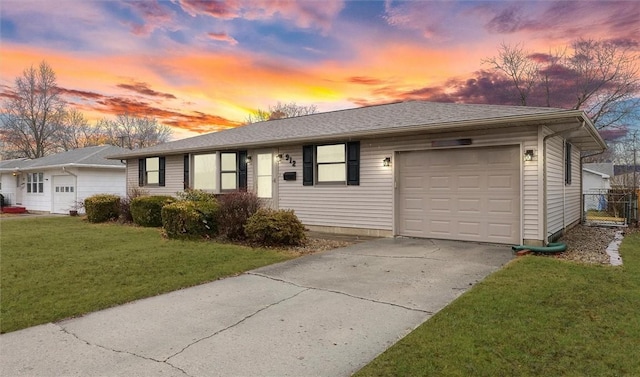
64 195
470 194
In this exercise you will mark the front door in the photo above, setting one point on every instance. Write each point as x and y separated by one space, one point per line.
266 186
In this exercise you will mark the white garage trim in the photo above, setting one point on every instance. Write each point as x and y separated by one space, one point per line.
470 194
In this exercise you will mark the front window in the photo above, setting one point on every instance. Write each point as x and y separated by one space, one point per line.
35 182
228 171
331 163
152 173
204 172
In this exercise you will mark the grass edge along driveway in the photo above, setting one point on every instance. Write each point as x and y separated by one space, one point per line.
535 317
60 267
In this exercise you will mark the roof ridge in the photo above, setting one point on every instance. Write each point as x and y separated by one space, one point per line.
100 149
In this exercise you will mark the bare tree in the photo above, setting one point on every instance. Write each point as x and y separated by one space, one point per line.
130 131
514 62
33 114
600 77
78 133
280 111
607 80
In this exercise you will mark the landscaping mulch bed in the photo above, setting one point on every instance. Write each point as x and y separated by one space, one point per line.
587 244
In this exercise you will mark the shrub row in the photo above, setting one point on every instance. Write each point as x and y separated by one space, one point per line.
101 208
146 210
235 216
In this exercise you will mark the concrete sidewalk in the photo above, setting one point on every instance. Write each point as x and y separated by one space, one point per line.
326 314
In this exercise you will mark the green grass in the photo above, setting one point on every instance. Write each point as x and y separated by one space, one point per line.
54 268
535 317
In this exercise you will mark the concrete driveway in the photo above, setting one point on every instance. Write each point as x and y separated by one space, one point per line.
326 314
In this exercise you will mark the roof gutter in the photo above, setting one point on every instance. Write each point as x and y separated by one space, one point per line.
95 166
538 118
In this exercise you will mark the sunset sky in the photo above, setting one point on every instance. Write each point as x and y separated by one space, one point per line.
202 66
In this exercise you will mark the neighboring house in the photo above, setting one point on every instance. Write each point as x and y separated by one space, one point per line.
596 181
56 183
502 174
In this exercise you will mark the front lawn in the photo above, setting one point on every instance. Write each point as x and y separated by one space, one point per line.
535 317
54 268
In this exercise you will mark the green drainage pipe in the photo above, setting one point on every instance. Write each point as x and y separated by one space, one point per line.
551 248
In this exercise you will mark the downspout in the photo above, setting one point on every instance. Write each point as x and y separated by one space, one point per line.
544 178
75 191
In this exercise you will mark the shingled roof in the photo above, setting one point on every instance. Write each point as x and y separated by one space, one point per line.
83 157
362 122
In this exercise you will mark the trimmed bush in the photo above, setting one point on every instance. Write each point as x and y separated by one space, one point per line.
269 227
125 203
188 219
235 209
147 210
192 195
102 207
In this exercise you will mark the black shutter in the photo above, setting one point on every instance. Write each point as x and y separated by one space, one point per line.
186 172
161 171
353 163
242 170
307 165
141 170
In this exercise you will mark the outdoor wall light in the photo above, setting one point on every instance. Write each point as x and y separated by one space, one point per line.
386 161
279 157
528 155
248 159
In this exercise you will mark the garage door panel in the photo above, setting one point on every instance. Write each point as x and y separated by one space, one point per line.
469 181
438 182
441 227
501 181
477 197
501 207
469 206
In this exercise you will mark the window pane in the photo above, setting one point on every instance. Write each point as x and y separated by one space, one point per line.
40 187
71 188
228 161
264 187
330 153
29 178
40 177
204 172
153 164
228 181
265 164
332 173
153 178
57 188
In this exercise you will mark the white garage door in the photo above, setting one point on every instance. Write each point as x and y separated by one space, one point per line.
470 194
64 193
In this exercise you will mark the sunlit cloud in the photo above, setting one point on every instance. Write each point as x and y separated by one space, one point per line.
223 37
143 88
304 14
152 14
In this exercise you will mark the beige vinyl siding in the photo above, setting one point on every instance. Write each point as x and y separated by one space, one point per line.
371 204
555 185
174 174
573 195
